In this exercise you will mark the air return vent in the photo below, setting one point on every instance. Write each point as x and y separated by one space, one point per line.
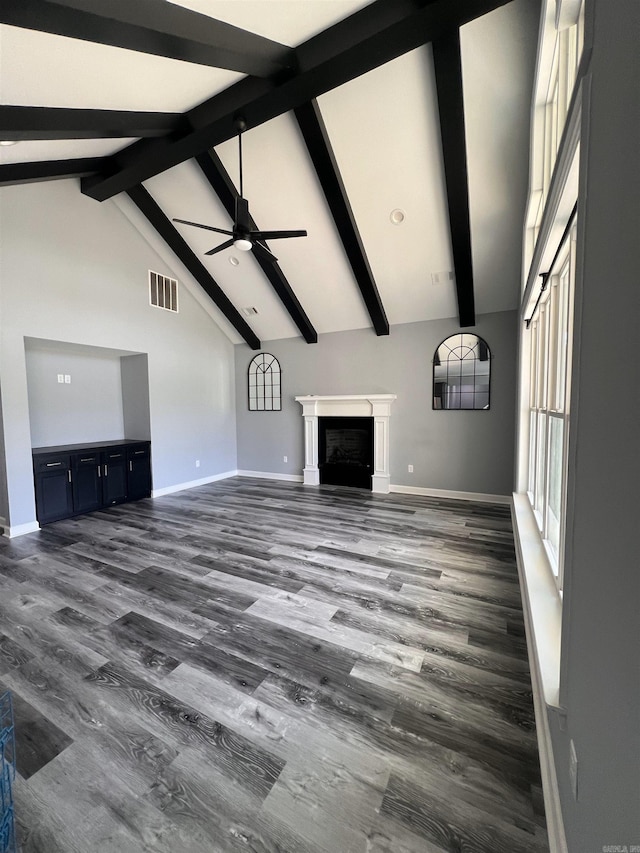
163 291
442 277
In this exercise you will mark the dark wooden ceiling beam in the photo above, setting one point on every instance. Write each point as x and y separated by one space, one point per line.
48 170
223 186
371 37
147 26
23 122
318 144
448 72
147 205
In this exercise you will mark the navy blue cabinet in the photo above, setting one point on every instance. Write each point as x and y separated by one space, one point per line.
74 479
54 494
114 481
86 479
138 472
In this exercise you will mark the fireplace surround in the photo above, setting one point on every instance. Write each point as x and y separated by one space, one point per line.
376 406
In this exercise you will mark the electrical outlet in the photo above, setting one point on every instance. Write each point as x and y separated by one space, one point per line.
61 377
285 459
410 469
573 769
67 379
197 463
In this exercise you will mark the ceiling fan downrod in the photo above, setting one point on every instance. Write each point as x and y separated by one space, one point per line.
241 126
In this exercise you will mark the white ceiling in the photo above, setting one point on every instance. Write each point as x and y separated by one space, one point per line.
289 22
385 133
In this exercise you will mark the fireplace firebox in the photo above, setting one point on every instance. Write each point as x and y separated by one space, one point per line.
345 451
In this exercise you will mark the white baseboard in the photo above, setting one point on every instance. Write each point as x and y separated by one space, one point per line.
18 529
267 475
542 622
446 493
298 478
192 484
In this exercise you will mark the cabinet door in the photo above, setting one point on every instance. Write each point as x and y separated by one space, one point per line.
114 476
54 498
86 476
138 472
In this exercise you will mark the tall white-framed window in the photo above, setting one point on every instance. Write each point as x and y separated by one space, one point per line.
550 330
558 61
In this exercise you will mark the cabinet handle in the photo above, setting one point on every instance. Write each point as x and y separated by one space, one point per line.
99 472
53 464
69 474
105 470
138 452
130 465
115 455
88 459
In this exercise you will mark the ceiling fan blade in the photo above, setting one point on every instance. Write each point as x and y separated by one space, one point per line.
206 227
243 219
276 235
220 248
264 253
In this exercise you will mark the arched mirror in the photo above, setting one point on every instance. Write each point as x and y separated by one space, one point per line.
461 373
264 383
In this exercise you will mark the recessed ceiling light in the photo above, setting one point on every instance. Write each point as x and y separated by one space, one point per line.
7 142
234 261
397 216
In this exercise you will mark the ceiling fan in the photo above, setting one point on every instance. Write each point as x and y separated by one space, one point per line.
242 236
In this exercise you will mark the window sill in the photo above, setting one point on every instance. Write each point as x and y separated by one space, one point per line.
541 600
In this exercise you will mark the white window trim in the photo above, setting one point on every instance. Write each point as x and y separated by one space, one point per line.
543 627
545 383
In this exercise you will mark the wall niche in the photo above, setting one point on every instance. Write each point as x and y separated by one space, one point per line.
81 393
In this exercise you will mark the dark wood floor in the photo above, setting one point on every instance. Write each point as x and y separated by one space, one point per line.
261 666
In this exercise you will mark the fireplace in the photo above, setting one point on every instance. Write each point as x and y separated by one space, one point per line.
345 451
373 407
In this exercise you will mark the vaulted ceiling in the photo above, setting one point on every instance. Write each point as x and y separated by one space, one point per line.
358 114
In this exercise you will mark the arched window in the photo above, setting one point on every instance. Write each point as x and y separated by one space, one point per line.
264 383
461 373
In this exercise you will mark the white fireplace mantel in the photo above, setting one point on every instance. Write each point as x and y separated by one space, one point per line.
376 406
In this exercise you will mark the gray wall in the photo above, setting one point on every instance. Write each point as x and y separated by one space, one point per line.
87 409
461 451
74 270
600 648
134 370
4 500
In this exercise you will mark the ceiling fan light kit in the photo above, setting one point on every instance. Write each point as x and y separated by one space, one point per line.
243 237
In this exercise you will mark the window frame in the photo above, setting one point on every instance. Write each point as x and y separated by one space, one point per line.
549 394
